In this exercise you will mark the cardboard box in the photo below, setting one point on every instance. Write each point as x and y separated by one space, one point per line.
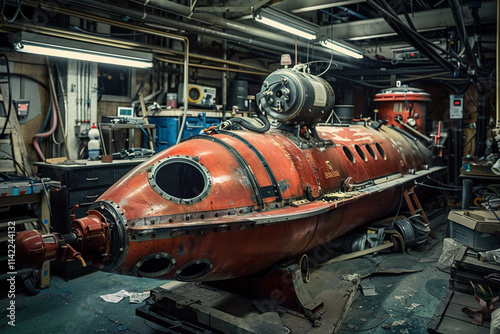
477 229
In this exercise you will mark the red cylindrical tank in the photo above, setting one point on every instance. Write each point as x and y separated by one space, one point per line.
403 105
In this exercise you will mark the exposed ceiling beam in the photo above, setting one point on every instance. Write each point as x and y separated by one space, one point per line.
436 19
312 5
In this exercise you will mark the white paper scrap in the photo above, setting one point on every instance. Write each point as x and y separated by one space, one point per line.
115 297
138 297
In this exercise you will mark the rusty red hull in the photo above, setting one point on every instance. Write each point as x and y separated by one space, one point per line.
235 203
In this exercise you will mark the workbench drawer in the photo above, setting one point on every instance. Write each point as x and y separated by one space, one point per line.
85 196
90 178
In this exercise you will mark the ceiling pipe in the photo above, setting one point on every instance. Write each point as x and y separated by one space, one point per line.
154 23
217 21
215 68
356 14
222 35
456 9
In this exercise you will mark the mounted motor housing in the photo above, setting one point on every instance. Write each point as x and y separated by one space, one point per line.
293 97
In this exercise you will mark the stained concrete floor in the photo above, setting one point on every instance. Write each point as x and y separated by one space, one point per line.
404 303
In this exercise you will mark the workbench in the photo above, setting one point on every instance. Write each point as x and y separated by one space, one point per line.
24 203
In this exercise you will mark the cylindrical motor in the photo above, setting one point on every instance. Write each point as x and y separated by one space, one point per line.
294 97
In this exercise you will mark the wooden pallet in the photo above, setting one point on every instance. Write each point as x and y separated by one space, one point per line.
449 318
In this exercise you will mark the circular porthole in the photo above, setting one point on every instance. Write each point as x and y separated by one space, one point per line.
380 150
349 154
370 151
155 265
361 154
193 270
180 179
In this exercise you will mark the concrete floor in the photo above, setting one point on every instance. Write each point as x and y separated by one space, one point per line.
405 302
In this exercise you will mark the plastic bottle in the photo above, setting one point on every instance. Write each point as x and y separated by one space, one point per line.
94 143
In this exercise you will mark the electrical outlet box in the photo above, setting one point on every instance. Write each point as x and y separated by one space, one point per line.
22 107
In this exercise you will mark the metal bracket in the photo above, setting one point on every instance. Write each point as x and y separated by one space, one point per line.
192 6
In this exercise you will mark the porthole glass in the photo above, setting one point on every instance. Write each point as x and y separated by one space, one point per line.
380 150
370 151
349 154
180 179
361 154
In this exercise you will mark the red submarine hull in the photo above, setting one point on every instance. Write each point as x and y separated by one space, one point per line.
234 203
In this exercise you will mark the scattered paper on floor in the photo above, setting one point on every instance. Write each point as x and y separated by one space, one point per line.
138 297
135 297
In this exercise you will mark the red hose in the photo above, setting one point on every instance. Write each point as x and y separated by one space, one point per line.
48 133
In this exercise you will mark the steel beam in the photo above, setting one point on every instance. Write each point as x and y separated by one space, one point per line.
436 19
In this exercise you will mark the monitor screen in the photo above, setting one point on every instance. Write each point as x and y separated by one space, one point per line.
125 112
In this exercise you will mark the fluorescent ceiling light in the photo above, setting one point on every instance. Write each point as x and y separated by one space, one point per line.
287 22
342 48
58 47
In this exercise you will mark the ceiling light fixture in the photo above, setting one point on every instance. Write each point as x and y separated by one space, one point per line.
287 22
72 49
342 48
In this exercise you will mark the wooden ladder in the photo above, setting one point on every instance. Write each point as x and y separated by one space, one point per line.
416 208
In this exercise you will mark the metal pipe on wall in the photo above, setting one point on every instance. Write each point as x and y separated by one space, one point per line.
142 29
224 81
78 91
498 67
216 68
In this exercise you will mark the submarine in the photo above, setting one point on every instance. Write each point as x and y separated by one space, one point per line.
246 194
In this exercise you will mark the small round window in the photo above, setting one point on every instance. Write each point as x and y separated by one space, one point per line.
180 179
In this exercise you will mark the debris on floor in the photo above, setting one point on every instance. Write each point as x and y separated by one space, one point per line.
135 297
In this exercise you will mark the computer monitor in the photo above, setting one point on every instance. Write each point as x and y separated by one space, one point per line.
125 112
